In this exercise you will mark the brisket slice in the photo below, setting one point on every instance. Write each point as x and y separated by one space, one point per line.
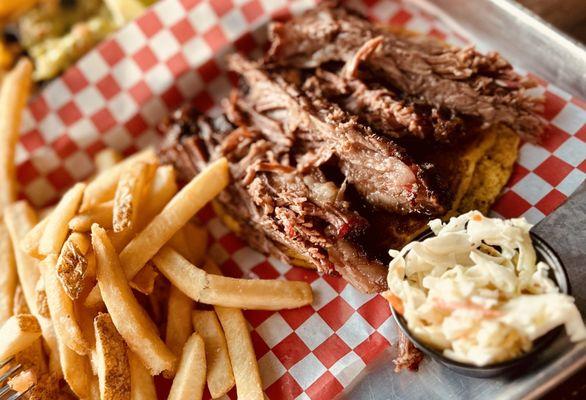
383 110
408 356
415 69
278 208
378 168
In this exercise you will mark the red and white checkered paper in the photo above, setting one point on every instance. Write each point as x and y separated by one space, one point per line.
117 94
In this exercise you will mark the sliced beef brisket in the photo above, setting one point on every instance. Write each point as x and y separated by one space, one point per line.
415 70
278 208
378 168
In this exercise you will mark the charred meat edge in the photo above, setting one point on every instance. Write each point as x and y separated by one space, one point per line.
278 208
378 168
419 68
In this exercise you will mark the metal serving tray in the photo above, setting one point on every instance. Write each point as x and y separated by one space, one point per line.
530 43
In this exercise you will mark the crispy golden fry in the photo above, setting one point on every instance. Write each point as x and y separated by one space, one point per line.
8 277
142 385
179 243
77 371
179 326
33 358
190 379
101 214
30 243
244 364
94 297
58 222
176 213
23 381
13 96
242 356
162 189
130 318
20 218
85 317
44 212
112 362
19 303
18 333
103 187
129 192
253 294
72 264
47 387
107 158
42 304
61 309
144 281
197 241
219 369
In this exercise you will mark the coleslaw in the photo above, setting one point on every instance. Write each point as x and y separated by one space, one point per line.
476 291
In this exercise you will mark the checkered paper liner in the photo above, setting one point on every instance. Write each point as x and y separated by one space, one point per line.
115 96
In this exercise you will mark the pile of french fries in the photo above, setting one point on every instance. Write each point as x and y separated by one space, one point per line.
112 285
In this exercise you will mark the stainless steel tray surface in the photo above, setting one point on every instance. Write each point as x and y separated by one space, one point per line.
529 43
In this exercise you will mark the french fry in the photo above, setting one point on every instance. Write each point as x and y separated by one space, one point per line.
107 158
112 362
76 370
252 294
8 277
103 187
94 297
129 193
179 326
197 241
144 281
20 218
30 242
244 364
219 369
41 295
44 212
128 316
242 356
19 305
31 358
162 189
72 264
85 317
23 381
176 213
47 387
61 309
13 96
58 222
142 386
190 379
101 214
18 333
179 243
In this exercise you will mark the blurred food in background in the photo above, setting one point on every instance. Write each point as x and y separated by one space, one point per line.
56 33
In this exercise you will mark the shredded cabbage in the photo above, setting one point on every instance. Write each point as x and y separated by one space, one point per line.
476 291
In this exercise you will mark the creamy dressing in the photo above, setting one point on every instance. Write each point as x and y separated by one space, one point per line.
476 291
